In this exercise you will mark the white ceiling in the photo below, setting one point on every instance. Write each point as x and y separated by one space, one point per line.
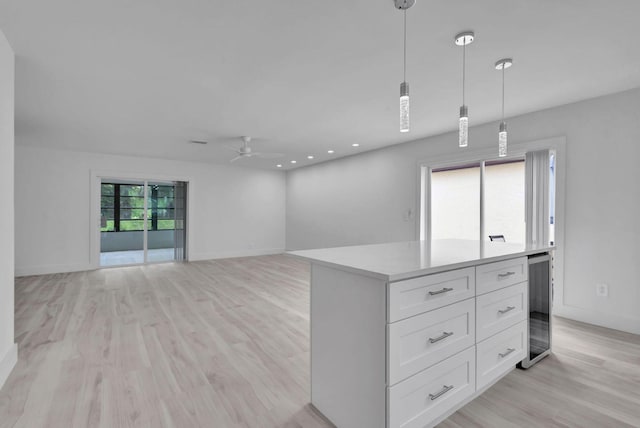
143 77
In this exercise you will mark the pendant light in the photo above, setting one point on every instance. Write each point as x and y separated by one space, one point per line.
464 39
404 86
502 65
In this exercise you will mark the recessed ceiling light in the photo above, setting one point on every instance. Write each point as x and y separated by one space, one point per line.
279 166
309 157
356 145
294 161
331 152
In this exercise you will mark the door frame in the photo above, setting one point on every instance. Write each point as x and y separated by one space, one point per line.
96 177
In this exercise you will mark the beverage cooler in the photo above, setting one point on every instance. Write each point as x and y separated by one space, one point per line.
540 303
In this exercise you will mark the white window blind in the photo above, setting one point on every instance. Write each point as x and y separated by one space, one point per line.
537 196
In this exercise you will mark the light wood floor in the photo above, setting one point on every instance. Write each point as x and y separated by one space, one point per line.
226 344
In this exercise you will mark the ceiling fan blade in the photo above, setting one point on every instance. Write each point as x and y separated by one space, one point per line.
269 155
236 158
235 149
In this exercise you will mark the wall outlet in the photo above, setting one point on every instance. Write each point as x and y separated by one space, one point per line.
602 290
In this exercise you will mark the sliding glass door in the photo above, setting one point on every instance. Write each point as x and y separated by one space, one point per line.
482 200
142 222
455 202
180 220
504 200
511 200
122 223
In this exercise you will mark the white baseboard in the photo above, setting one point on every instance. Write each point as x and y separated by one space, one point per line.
7 363
589 316
44 270
236 253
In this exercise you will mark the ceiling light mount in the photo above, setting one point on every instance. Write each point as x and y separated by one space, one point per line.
504 63
465 38
404 4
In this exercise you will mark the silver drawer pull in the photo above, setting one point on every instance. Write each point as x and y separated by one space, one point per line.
439 338
504 311
504 275
439 394
444 290
504 354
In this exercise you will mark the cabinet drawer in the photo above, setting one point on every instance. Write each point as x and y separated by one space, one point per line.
420 400
500 309
494 276
421 341
500 353
418 295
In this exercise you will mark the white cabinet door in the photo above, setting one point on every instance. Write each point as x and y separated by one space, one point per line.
500 353
418 401
494 276
423 340
499 310
415 296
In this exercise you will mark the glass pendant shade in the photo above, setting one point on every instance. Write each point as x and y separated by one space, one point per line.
463 127
502 140
502 65
404 107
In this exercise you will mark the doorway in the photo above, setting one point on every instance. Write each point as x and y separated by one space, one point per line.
142 221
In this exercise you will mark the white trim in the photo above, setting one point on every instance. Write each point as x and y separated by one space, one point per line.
7 363
482 228
44 270
94 209
145 226
489 154
608 320
236 253
424 180
47 269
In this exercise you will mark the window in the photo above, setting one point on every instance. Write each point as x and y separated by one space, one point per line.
504 200
162 210
122 207
475 200
455 202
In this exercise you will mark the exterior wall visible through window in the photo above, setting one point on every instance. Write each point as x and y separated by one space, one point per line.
455 201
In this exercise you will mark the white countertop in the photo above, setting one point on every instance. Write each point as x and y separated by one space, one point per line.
401 260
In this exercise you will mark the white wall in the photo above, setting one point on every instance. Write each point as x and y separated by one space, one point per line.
8 350
365 198
234 211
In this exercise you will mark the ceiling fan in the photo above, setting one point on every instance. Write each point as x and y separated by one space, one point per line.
246 152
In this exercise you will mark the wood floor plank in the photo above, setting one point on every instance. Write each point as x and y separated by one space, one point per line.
225 343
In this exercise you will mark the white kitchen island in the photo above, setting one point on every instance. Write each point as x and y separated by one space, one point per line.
404 334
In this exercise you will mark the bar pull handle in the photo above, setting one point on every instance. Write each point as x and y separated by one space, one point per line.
505 275
439 338
504 354
504 311
444 390
444 290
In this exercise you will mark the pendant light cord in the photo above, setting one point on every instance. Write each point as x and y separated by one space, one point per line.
503 67
405 45
464 67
